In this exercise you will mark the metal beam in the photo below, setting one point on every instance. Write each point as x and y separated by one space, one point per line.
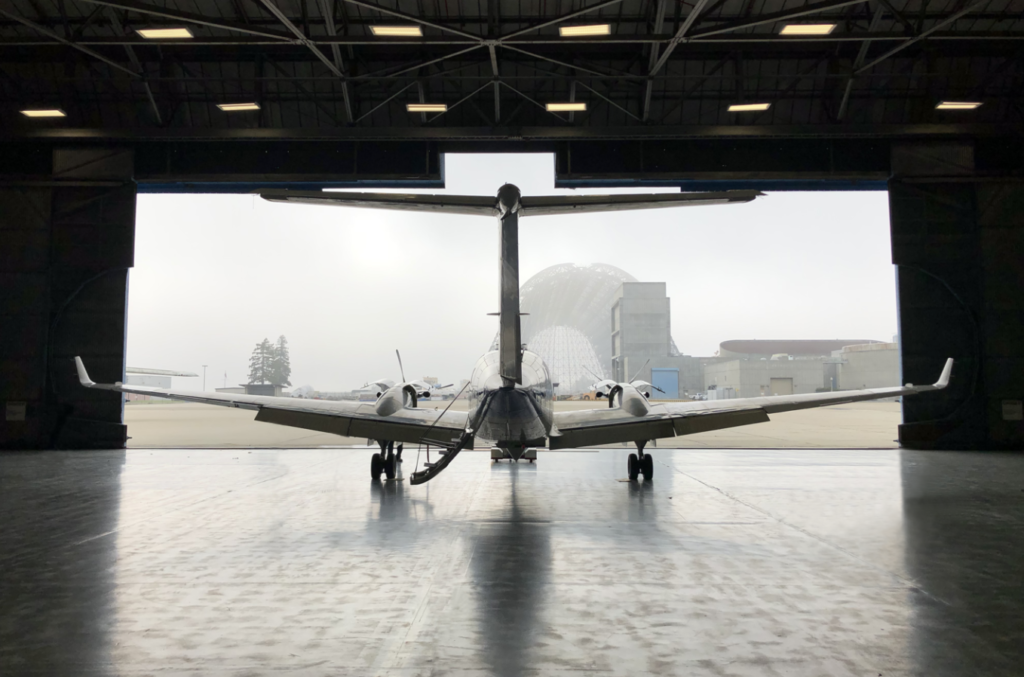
301 37
186 17
691 18
339 63
138 66
922 36
85 50
857 63
659 21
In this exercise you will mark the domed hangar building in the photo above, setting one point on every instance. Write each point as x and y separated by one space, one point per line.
569 321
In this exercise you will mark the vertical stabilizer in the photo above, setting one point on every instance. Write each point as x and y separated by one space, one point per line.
509 335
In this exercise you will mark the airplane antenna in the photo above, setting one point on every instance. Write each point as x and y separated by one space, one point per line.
401 369
639 370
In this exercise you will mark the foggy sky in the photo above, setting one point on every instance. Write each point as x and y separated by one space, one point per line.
215 274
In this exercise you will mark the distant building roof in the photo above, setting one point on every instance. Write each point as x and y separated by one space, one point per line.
798 347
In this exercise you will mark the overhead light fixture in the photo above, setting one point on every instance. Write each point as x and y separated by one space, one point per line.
234 107
44 113
565 107
397 31
426 107
748 107
957 105
807 29
164 33
581 31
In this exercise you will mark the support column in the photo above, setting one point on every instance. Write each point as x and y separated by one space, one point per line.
63 292
957 240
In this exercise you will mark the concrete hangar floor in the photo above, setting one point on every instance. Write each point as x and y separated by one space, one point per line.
742 562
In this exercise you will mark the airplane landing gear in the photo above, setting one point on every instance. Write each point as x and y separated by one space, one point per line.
641 464
386 462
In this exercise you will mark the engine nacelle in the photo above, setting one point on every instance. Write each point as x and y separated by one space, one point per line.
395 399
629 399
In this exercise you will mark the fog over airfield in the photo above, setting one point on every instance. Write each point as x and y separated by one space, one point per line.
215 274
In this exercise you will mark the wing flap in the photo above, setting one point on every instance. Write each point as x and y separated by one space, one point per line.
349 426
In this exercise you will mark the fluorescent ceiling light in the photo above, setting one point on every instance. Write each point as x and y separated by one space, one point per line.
958 105
44 113
748 107
426 107
580 31
807 29
565 107
164 33
232 107
398 31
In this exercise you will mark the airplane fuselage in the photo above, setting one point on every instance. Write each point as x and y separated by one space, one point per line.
519 415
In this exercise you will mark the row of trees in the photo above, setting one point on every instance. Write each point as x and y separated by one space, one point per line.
270 364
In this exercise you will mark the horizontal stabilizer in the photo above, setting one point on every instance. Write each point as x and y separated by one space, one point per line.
488 206
586 204
449 204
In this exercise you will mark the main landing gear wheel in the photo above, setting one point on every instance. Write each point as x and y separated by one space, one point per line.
376 466
390 463
647 467
634 467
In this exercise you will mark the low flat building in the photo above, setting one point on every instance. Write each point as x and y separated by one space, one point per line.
763 377
873 365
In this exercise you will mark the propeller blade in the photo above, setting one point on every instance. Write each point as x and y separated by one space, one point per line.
639 370
401 369
657 388
443 387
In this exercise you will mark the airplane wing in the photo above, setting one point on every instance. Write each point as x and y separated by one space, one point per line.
347 419
488 206
592 427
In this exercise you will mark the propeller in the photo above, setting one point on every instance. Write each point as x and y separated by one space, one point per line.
401 369
639 370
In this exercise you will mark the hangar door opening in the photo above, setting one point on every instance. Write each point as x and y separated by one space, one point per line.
791 293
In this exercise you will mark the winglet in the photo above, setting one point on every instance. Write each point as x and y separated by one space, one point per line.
944 376
83 375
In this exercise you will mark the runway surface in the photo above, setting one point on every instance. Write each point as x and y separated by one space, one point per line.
861 425
263 562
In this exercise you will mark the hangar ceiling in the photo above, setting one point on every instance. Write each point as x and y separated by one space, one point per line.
667 68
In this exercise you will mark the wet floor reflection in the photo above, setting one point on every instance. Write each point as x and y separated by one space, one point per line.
60 513
510 571
963 521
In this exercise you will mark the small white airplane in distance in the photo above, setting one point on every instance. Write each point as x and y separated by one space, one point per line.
423 389
510 391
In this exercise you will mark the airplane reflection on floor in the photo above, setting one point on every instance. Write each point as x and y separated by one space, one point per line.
757 562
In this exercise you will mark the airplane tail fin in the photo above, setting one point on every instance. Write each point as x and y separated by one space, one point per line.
510 340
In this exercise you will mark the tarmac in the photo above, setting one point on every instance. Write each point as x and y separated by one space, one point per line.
846 563
862 425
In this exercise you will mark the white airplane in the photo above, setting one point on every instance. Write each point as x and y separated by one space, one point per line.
510 390
423 389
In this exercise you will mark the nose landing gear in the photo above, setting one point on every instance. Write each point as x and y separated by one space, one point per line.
641 464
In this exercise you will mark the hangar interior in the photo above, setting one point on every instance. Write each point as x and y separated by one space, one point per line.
922 97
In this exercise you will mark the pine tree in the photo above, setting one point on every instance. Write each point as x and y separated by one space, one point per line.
280 367
260 363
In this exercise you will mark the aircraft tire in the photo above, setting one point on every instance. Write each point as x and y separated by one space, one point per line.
389 467
634 467
647 467
376 466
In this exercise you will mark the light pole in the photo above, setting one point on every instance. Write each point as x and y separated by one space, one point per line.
204 377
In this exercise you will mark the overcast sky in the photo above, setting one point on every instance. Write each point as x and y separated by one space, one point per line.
215 274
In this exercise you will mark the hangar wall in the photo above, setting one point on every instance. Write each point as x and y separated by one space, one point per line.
68 231
957 239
